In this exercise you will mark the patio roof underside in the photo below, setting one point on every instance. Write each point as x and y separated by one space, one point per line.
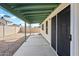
31 12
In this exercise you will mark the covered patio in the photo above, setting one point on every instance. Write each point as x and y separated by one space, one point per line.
57 33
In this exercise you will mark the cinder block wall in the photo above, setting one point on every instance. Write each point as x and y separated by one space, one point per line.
8 30
33 30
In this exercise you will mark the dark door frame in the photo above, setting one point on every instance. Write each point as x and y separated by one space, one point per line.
53 33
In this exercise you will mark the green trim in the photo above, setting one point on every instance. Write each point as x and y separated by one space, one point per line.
31 12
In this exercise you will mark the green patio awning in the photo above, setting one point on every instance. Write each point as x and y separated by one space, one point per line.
31 12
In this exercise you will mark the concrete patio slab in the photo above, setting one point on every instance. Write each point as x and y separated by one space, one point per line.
35 45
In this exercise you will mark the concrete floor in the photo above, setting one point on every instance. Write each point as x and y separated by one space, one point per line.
35 45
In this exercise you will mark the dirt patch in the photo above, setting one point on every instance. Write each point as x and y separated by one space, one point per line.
10 44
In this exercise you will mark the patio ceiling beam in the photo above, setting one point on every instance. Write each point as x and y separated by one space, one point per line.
35 7
38 15
14 5
35 13
36 10
46 11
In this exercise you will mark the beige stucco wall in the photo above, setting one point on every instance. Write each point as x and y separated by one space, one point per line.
49 18
43 32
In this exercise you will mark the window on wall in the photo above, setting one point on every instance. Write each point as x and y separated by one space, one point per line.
42 26
46 27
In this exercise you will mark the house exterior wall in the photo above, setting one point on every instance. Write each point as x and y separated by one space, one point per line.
49 18
75 29
43 32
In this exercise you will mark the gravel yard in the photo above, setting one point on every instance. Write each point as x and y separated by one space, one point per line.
10 44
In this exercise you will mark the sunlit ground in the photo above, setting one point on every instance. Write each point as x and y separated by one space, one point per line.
9 44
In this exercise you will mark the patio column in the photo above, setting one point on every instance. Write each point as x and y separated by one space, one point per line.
30 29
25 31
